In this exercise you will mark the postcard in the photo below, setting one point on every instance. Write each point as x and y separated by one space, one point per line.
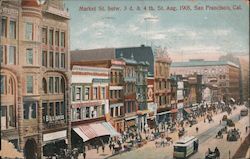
118 79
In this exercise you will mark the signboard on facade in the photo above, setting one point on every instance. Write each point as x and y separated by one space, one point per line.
179 94
180 85
54 118
89 103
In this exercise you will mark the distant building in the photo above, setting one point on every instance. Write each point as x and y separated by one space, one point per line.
244 73
221 74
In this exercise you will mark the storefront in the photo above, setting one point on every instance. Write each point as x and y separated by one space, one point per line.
131 123
163 117
53 142
92 134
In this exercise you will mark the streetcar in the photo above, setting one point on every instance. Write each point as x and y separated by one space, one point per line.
185 147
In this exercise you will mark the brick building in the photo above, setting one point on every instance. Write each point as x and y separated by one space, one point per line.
223 75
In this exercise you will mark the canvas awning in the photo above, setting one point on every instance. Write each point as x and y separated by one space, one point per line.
90 131
232 99
188 110
58 135
111 129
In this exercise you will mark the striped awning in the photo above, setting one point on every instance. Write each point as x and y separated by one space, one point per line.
90 131
99 129
111 129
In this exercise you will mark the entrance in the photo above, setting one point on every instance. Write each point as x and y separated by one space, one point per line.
30 149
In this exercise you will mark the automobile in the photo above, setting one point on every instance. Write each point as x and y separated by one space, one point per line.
230 123
224 118
244 112
233 135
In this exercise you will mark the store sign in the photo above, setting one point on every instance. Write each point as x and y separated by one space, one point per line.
54 118
97 80
89 103
179 94
180 85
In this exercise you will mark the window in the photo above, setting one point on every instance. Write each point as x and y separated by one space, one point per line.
103 96
11 116
51 85
29 56
11 86
103 109
4 27
57 38
57 85
95 92
57 108
57 60
45 110
51 31
112 112
62 85
44 85
78 93
62 108
51 59
29 31
63 39
12 55
29 84
62 60
111 94
44 58
51 109
2 84
29 110
12 29
1 54
87 112
44 35
86 97
116 111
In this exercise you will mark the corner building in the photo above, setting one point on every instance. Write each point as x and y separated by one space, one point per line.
35 76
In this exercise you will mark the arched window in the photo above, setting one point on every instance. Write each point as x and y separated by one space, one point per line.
44 85
11 86
62 85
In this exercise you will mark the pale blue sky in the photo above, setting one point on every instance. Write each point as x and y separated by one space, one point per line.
181 31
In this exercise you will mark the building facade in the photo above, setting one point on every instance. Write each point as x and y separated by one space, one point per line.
221 74
162 87
90 106
38 85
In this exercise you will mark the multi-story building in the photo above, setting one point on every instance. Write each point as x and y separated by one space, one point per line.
90 105
152 106
221 74
130 102
116 104
35 75
141 94
162 86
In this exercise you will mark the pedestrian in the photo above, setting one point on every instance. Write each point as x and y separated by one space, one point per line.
103 148
197 129
220 122
246 129
97 148
110 145
84 154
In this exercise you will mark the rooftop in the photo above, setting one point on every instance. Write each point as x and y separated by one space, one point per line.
201 62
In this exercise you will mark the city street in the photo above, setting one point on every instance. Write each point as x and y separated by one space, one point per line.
206 135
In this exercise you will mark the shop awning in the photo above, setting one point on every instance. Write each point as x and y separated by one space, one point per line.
166 112
90 131
99 129
81 134
58 135
111 129
188 110
232 100
174 110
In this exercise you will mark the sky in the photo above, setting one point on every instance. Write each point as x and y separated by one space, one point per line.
184 33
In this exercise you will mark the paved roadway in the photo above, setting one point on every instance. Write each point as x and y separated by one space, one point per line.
206 135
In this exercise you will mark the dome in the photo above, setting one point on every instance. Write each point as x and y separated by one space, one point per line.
30 3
